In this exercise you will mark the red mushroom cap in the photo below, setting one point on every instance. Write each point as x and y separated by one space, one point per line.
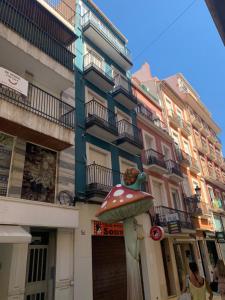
122 203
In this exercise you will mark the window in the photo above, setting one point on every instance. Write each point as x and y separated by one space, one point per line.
176 139
6 147
176 199
98 156
39 174
211 193
168 105
186 147
179 113
125 164
149 141
166 152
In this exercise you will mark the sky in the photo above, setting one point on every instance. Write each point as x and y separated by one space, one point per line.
191 46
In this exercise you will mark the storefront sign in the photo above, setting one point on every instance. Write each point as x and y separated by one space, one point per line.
103 229
220 236
174 227
157 233
172 217
13 81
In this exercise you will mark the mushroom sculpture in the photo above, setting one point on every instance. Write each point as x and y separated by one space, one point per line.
123 203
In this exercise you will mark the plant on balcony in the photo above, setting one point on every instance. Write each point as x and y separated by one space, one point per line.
123 203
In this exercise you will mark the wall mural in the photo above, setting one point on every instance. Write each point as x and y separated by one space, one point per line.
6 145
39 174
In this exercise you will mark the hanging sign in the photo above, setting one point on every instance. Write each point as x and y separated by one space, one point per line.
220 236
157 233
13 81
103 229
174 227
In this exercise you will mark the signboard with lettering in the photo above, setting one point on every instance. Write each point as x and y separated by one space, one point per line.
174 227
13 81
103 229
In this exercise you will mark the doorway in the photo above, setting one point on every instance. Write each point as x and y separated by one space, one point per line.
109 268
40 273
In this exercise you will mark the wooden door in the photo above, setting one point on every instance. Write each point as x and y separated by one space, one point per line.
109 268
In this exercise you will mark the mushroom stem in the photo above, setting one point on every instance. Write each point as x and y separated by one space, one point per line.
134 287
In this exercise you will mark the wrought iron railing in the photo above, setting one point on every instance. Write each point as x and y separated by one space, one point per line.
64 8
162 215
41 103
194 163
98 178
130 131
197 207
148 114
122 82
183 156
173 167
91 59
152 157
96 110
90 18
22 19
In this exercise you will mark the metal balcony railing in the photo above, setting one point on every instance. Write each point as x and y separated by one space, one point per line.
41 103
185 126
163 214
197 207
23 20
89 17
130 131
152 157
99 178
122 82
96 110
183 156
148 114
194 163
91 59
64 8
173 168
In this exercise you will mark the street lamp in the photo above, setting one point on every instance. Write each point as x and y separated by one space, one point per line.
198 193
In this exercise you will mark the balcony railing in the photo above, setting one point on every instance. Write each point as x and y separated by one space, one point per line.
99 178
26 25
148 114
173 168
124 83
185 127
64 9
162 215
183 156
152 157
91 59
89 17
130 131
41 103
196 207
194 163
96 110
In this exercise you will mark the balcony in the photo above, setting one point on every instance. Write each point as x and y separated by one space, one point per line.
63 9
36 213
196 121
197 208
123 92
98 72
162 215
99 181
211 154
104 38
183 157
154 161
130 137
218 159
202 147
149 118
35 24
205 129
212 137
218 143
194 165
185 128
100 121
175 173
40 117
174 118
213 177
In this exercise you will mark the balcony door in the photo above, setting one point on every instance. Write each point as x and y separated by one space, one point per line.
157 189
167 153
176 199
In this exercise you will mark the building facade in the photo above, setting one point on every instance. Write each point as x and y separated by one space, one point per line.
37 150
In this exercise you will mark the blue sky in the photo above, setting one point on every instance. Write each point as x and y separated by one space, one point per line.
191 46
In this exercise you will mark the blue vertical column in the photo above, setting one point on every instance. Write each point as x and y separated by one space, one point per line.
80 133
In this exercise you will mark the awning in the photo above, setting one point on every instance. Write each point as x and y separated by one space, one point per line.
14 235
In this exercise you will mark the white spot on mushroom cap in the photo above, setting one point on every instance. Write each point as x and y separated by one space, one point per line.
118 185
118 193
129 196
104 204
121 200
114 201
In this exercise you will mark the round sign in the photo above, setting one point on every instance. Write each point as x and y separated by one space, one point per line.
157 233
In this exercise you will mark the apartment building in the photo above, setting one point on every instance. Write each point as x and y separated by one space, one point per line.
205 147
37 126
